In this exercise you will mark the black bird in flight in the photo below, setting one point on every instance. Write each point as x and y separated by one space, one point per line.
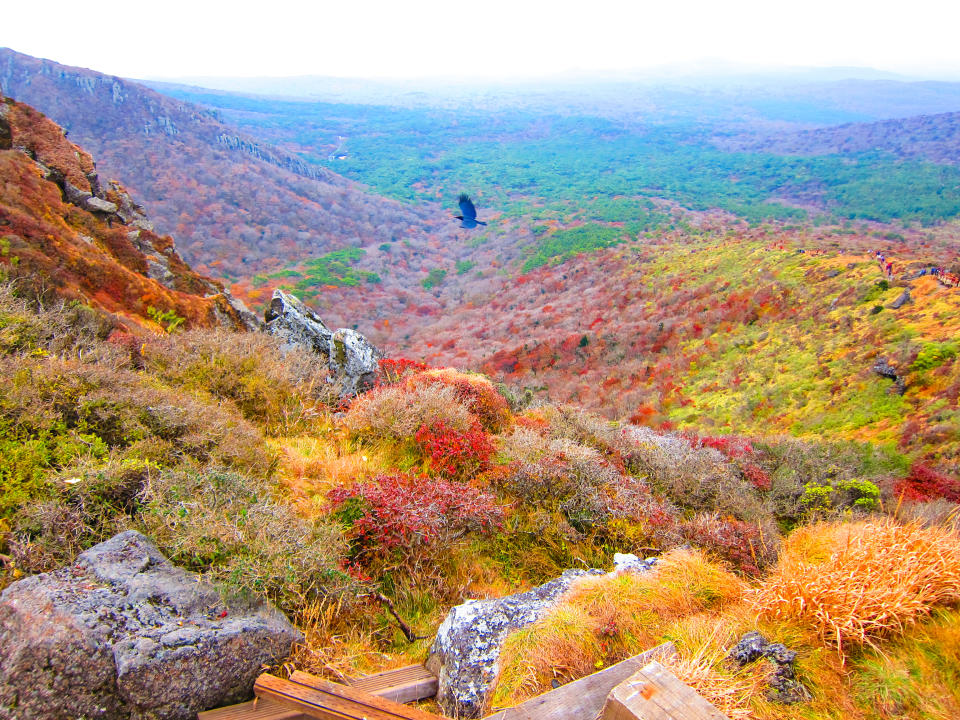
468 219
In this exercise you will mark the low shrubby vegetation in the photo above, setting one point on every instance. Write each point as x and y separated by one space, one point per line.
860 603
242 462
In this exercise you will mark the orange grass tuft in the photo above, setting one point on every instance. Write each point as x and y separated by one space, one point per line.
730 692
858 582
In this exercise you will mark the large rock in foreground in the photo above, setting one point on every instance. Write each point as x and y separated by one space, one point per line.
467 648
123 633
352 359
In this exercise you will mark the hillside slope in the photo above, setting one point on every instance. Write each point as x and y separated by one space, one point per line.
235 205
926 137
68 234
731 330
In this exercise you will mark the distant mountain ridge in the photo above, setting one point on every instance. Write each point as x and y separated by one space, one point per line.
237 206
929 137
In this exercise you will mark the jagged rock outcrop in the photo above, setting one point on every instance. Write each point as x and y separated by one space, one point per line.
123 633
84 239
352 359
883 368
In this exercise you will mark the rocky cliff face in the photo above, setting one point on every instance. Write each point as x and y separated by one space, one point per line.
68 232
236 206
147 112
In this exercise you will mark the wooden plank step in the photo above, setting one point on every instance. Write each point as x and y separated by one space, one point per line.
583 698
258 709
332 701
402 685
655 693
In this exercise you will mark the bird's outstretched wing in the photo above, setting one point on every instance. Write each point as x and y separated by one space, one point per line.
467 209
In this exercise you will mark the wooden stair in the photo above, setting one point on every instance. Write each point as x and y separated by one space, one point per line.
403 685
332 701
638 688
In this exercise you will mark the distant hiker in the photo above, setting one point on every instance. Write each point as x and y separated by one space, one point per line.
890 269
468 218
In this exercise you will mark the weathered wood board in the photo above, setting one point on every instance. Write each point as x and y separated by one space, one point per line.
654 693
333 701
582 699
403 685
259 709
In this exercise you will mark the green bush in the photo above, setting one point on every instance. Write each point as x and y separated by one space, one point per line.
933 355
230 526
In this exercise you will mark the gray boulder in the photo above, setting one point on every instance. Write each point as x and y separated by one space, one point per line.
352 359
123 633
901 300
96 204
883 368
466 651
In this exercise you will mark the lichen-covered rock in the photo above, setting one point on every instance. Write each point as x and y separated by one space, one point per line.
352 359
296 324
628 562
467 648
123 633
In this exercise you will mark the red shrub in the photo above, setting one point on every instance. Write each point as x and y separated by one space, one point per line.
756 475
410 513
739 543
925 483
729 445
643 414
455 454
534 422
393 370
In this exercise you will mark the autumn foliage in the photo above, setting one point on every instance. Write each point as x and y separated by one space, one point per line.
455 454
412 514
925 483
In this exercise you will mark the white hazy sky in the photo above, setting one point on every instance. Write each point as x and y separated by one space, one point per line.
488 38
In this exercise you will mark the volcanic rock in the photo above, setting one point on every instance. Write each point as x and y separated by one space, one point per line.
352 359
123 633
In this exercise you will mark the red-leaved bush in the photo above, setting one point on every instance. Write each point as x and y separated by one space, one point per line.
741 544
411 514
455 454
731 446
756 475
393 370
925 483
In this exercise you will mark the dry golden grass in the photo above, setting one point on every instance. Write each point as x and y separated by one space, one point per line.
312 465
858 582
604 619
705 670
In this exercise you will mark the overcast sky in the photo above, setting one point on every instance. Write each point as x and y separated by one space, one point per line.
489 38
